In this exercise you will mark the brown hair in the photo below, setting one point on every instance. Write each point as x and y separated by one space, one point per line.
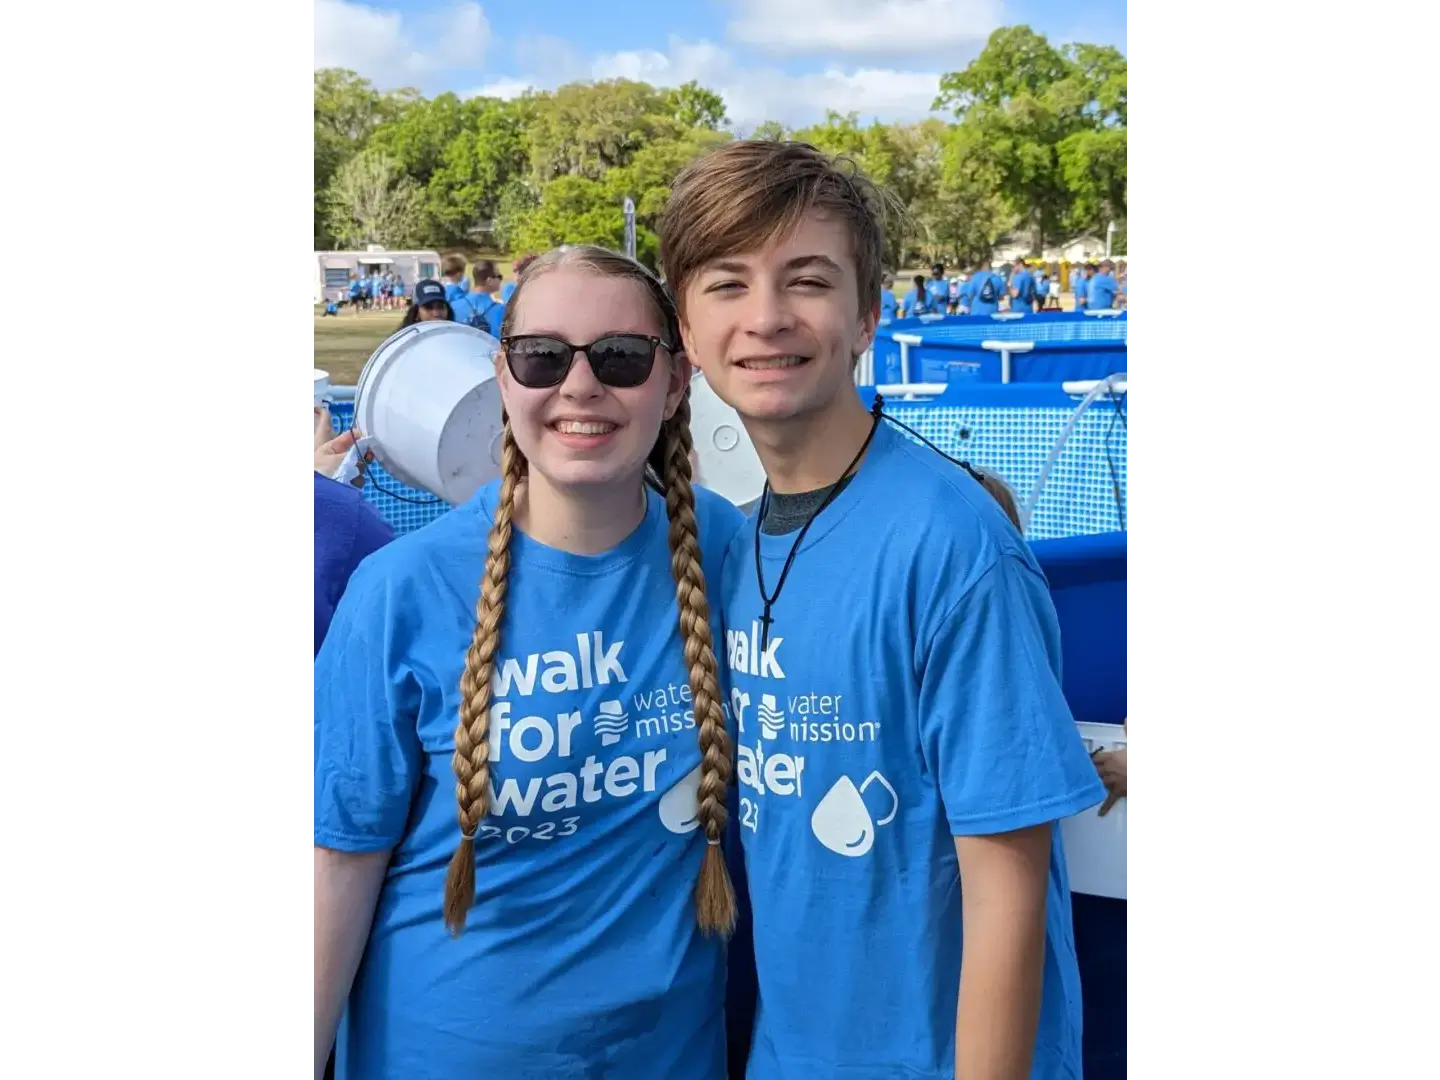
670 461
1001 493
452 264
739 196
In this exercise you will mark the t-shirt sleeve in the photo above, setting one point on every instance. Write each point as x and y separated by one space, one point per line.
994 727
368 758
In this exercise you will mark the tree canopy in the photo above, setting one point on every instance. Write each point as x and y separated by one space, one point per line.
1034 147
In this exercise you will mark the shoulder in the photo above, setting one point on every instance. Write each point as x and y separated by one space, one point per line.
953 531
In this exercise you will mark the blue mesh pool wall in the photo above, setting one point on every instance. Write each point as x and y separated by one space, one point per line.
1008 429
1066 347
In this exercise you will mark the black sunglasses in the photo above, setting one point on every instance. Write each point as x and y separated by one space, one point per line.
539 361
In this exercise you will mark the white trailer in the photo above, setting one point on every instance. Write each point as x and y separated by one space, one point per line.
333 268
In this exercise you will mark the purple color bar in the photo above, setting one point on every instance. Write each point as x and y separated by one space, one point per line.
1344 631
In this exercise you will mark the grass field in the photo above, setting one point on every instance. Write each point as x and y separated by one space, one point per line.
344 342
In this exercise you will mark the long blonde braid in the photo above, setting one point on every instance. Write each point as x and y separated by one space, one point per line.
714 893
472 735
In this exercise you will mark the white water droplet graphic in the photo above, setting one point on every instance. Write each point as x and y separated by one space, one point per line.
680 806
841 821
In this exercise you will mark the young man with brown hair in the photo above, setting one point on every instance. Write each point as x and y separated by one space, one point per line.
893 659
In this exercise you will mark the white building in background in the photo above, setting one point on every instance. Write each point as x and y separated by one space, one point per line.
1079 249
1084 248
333 268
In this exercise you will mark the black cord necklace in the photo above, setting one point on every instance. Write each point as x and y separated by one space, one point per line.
769 600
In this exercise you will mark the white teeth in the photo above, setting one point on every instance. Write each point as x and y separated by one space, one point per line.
772 364
584 427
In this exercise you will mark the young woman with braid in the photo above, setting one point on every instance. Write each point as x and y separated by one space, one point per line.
522 759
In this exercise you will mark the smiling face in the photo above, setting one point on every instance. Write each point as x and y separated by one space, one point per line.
583 433
777 330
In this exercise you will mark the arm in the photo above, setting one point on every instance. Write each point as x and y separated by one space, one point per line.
1008 760
368 762
1004 880
346 889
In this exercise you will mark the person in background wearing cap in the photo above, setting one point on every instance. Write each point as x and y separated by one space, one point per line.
429 305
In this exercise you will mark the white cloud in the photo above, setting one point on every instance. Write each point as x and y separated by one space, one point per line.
383 47
864 27
755 94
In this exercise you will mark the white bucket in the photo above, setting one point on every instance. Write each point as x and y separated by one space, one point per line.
728 463
429 399
322 386
1095 846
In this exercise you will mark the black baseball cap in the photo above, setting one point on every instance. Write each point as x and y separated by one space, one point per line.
428 291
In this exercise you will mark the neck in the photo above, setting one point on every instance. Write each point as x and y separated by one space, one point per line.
805 453
580 520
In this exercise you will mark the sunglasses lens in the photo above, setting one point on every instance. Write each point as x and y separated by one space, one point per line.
538 362
622 360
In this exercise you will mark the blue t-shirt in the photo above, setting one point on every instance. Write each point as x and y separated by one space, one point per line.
1023 282
459 301
970 294
347 528
581 956
888 304
506 291
489 309
1042 287
909 693
917 303
1100 292
1078 285
939 290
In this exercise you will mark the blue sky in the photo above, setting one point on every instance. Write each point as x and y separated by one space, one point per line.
787 60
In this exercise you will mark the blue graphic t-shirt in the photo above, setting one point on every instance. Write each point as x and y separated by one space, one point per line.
908 693
581 956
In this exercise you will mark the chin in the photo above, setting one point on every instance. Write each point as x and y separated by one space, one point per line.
599 472
775 402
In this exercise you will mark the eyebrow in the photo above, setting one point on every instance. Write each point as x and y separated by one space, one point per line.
731 266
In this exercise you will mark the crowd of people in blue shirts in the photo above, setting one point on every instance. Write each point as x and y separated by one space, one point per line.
478 301
1018 287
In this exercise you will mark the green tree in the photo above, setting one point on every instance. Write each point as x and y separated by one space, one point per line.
651 173
460 154
1021 100
573 210
693 106
372 201
771 130
583 129
347 111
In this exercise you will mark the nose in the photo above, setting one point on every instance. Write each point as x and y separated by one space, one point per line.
580 382
767 310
